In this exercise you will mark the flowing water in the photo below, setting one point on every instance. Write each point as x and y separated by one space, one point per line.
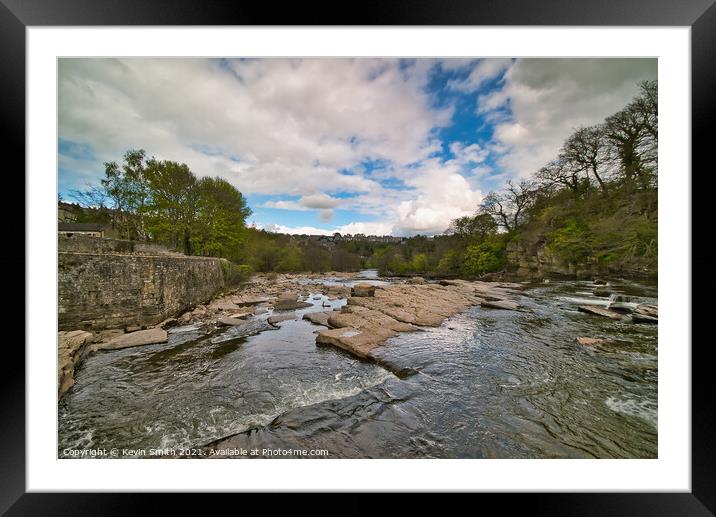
487 384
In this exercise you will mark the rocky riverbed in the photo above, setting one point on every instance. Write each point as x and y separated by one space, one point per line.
286 347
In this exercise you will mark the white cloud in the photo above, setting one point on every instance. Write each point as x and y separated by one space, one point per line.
543 100
485 70
442 194
304 128
290 126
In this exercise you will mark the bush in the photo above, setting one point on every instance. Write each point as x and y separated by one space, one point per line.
485 257
234 274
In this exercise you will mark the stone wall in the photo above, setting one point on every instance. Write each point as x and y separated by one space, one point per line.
108 283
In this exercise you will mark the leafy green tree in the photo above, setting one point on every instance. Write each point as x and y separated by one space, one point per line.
171 210
220 218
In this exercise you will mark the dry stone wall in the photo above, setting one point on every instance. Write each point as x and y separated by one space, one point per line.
113 284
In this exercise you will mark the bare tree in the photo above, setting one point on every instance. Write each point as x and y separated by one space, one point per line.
585 151
93 197
508 208
558 173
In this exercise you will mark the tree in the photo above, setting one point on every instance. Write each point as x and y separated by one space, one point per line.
127 188
585 152
508 208
476 227
171 209
221 217
558 173
630 141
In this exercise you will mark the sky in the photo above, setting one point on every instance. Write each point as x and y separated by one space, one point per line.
322 145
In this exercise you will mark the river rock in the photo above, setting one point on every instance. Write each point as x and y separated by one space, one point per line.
277 318
589 341
417 280
318 318
352 340
338 291
168 323
240 315
600 311
602 291
288 302
599 281
73 346
645 313
245 301
230 322
500 304
109 334
223 304
646 309
142 337
363 290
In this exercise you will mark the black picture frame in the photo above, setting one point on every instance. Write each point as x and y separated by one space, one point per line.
700 15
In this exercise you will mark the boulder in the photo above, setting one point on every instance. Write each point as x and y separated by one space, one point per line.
139 338
417 280
363 290
500 304
600 311
599 281
277 318
589 341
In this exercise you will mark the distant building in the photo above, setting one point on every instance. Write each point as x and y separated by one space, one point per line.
87 229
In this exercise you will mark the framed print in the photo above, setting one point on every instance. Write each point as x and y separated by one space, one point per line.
427 250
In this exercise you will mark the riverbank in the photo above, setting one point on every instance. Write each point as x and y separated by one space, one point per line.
492 368
369 314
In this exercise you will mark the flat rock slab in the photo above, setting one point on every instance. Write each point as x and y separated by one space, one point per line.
367 321
643 318
508 305
230 322
223 305
74 345
353 340
589 341
141 337
600 311
277 318
646 309
363 290
290 305
243 302
318 318
240 315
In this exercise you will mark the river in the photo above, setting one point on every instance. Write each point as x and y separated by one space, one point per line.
487 384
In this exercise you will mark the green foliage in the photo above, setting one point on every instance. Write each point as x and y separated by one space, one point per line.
569 242
234 274
486 257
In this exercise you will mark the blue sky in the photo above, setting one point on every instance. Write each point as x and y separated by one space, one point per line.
381 146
